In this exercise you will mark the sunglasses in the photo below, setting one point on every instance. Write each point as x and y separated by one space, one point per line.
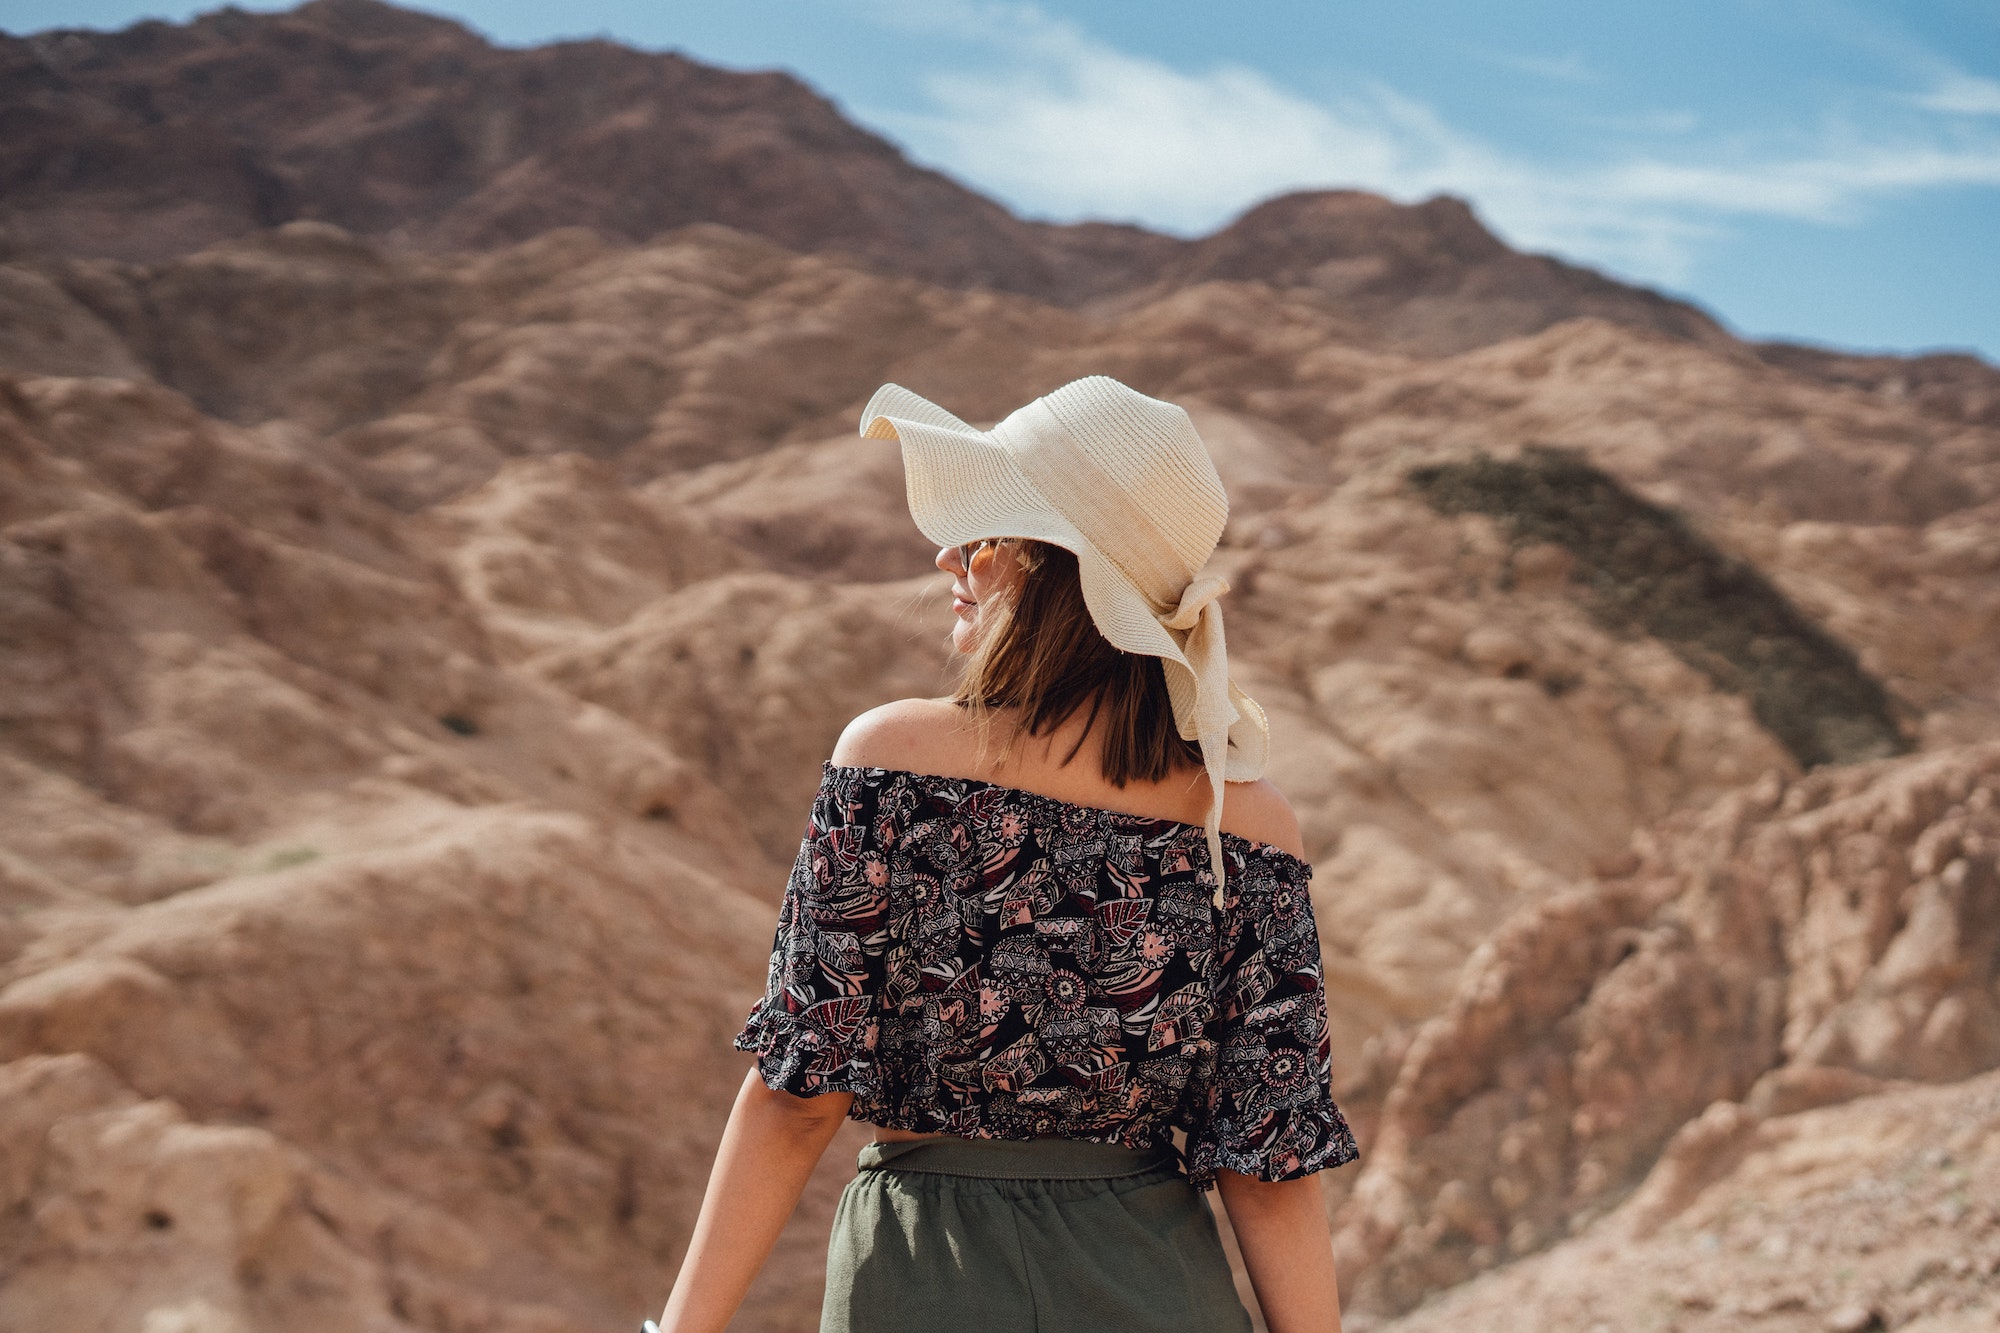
967 550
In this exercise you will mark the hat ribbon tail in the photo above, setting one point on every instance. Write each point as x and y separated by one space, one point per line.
1199 616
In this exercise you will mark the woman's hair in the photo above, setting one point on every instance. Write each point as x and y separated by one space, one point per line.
1040 652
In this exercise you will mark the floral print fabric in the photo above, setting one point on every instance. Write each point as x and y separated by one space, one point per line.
977 960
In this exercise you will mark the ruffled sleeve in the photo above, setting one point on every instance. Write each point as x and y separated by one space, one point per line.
815 1029
1267 1108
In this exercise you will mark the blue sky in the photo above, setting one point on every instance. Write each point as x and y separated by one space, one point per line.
1809 169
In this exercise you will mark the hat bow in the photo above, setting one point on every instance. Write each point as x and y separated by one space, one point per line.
1195 599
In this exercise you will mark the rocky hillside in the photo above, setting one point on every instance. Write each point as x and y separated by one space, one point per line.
158 140
419 660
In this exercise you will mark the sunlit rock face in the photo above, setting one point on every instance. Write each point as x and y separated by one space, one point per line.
1795 944
418 661
1871 1213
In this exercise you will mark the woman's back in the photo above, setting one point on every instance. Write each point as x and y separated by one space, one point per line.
936 736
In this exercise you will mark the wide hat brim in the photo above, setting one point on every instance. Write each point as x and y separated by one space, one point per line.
963 485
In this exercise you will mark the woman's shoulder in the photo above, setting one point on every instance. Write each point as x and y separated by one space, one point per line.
935 736
1259 811
915 735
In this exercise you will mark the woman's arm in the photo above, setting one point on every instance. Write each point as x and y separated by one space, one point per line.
769 1148
1288 1248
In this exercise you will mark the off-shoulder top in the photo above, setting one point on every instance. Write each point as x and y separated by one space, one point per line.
985 961
972 959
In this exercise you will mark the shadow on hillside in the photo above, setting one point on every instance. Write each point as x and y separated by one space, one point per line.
1644 569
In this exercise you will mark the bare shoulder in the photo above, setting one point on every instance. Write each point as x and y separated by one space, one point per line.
1259 811
917 735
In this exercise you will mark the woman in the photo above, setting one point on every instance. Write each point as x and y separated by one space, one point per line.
1038 926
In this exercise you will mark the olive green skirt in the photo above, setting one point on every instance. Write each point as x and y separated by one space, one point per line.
1042 1236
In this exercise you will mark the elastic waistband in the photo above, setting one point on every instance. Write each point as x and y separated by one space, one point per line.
1017 1159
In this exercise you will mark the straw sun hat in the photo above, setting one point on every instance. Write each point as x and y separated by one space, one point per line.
1122 481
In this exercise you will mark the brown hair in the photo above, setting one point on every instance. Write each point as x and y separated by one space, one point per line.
1040 652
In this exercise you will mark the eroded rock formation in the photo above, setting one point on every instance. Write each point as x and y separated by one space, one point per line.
1795 944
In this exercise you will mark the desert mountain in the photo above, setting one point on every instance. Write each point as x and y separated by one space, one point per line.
419 652
153 142
158 140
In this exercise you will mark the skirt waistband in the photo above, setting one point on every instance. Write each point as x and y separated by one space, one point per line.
1017 1159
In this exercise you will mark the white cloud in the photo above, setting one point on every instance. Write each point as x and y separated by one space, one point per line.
1827 189
1659 122
1064 126
1561 69
1962 95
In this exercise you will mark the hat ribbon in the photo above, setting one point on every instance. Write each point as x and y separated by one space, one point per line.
1194 600
1200 621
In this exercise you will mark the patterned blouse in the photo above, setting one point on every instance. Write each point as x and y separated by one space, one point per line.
978 960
